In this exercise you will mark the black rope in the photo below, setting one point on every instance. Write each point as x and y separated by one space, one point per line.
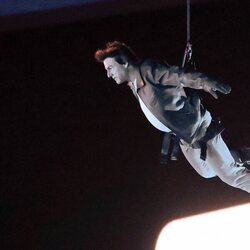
188 21
188 50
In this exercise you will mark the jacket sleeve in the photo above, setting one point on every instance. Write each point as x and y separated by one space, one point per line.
175 76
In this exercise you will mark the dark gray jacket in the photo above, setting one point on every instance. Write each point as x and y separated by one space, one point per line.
167 94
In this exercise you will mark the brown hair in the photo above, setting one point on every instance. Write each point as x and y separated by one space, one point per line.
121 52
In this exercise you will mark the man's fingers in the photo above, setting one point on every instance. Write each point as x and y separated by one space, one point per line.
225 89
213 94
222 88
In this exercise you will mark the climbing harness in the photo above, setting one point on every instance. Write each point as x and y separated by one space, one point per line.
170 144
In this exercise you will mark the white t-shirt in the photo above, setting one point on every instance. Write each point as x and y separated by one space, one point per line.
151 118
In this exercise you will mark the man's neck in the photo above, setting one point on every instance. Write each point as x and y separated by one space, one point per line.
135 76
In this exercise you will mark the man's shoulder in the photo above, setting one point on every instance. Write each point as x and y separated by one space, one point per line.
151 62
150 65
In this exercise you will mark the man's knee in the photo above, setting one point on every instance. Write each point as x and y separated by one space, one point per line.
207 175
234 177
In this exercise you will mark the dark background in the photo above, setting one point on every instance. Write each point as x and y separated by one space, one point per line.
79 166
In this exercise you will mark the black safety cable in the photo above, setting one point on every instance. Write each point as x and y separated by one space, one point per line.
188 21
188 51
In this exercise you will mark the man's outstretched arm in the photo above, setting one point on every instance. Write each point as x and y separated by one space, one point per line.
198 80
176 76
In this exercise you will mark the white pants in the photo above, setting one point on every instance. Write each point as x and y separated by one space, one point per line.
219 162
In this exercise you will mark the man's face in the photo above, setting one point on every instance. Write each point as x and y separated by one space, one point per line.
115 70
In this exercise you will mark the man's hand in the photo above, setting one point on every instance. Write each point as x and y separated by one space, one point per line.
212 87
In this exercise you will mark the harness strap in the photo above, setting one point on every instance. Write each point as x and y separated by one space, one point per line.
213 130
170 148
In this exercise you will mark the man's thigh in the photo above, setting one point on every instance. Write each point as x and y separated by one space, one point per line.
192 155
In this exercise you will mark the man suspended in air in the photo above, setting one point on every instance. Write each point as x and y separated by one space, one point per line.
169 101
